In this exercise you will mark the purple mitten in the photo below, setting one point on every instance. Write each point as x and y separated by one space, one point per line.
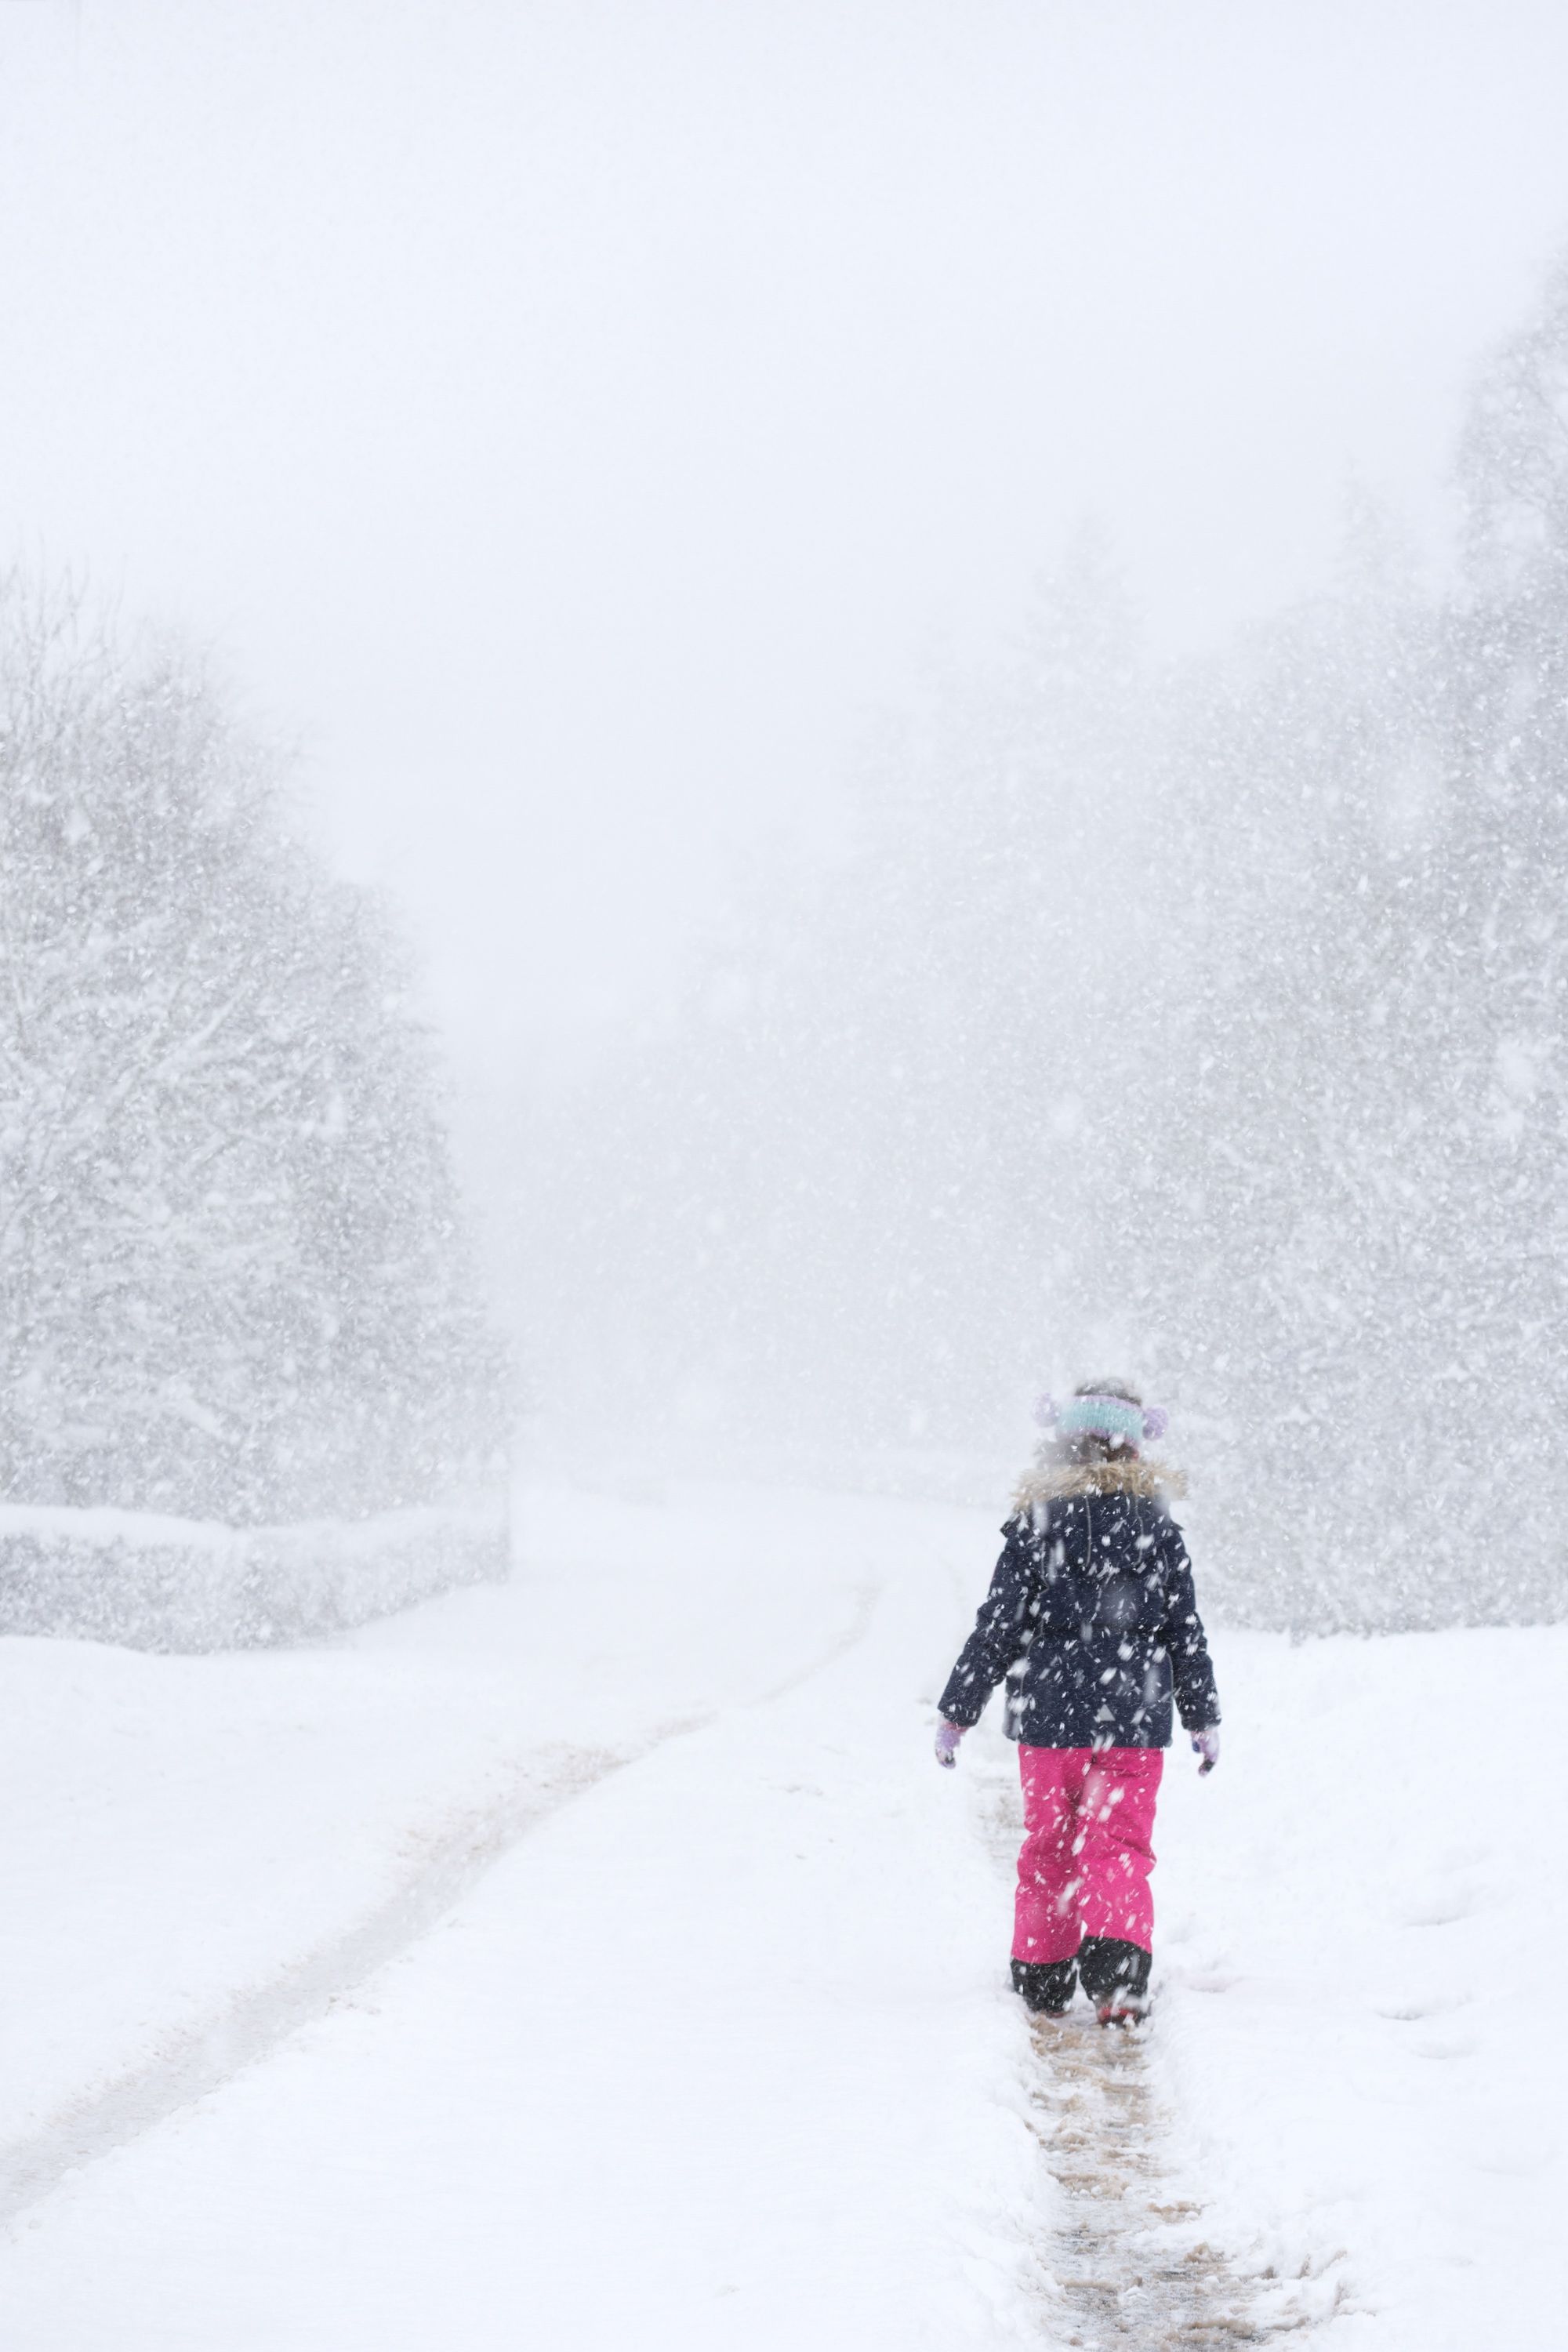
948 1736
1207 1744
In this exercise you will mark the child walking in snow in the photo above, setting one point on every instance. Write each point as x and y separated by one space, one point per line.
1092 1599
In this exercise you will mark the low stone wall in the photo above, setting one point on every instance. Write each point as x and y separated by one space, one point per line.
152 1583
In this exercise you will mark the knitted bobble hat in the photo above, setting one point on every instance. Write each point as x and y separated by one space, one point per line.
1098 1410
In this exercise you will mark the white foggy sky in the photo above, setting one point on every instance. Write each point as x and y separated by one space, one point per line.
572 416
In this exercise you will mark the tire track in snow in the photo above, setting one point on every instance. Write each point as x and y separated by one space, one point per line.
192 2062
1131 2265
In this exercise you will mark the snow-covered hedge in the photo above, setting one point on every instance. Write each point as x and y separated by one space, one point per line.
156 1584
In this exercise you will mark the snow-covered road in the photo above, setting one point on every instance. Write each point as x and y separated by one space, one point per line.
717 2051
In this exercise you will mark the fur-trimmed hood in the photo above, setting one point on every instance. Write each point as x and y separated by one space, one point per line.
1127 1474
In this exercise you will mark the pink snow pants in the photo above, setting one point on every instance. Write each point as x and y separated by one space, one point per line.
1083 1867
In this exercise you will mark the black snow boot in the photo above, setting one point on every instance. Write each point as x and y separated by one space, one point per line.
1047 1985
1115 1976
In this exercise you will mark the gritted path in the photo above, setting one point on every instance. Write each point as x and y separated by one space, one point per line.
1130 2264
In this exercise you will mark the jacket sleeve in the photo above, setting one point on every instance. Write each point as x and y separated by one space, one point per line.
1192 1670
1004 1626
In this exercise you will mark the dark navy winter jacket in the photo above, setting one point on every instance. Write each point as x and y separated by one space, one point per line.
1093 1594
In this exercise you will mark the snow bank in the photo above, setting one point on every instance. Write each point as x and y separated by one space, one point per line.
156 1584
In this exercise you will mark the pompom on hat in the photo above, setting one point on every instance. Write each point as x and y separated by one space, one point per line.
1116 1418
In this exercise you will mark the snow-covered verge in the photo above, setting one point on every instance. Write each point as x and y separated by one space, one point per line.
1361 2037
721 2050
158 1584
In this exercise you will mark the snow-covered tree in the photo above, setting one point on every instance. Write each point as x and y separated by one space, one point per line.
1211 1023
234 1276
